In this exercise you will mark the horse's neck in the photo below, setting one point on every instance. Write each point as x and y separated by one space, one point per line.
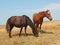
34 29
41 16
30 23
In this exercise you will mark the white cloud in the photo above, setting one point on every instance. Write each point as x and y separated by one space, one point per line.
52 6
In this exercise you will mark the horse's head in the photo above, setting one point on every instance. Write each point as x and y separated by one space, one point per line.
35 31
48 15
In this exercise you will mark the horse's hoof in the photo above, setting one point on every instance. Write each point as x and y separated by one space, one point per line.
19 35
10 37
25 35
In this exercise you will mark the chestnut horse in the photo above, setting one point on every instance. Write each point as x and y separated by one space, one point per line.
20 22
38 17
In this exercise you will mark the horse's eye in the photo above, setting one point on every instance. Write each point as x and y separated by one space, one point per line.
48 14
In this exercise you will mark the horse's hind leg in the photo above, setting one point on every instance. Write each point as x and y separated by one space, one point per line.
8 28
10 31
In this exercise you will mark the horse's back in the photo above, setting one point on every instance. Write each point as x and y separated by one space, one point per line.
12 18
17 20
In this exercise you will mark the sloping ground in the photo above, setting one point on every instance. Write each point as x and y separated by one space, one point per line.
50 37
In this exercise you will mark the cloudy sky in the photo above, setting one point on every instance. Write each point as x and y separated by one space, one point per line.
9 8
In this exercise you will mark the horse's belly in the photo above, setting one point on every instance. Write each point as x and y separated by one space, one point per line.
19 26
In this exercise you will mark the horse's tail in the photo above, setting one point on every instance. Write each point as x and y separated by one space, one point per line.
7 25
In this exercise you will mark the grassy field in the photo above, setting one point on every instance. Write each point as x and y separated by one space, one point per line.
51 37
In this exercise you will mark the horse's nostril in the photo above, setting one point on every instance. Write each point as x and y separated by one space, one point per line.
50 19
36 35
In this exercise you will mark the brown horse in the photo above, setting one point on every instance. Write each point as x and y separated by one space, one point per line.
20 22
38 17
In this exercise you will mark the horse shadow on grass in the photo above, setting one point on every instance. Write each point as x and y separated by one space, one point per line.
40 31
23 34
44 32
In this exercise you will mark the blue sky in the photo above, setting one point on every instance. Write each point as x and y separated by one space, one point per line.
9 8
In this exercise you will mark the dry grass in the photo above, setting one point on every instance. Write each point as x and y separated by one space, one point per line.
51 37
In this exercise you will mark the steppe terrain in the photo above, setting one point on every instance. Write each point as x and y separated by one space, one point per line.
50 37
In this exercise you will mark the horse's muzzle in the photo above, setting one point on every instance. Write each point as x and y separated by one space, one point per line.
36 35
50 19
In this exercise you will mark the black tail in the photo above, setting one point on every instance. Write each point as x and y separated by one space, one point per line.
7 25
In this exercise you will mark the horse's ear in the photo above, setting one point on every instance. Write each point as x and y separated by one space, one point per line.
47 10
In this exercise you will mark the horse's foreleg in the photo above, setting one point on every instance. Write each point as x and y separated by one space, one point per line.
25 31
20 31
37 25
40 26
34 23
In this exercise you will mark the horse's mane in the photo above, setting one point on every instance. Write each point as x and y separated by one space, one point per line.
27 18
41 12
34 29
